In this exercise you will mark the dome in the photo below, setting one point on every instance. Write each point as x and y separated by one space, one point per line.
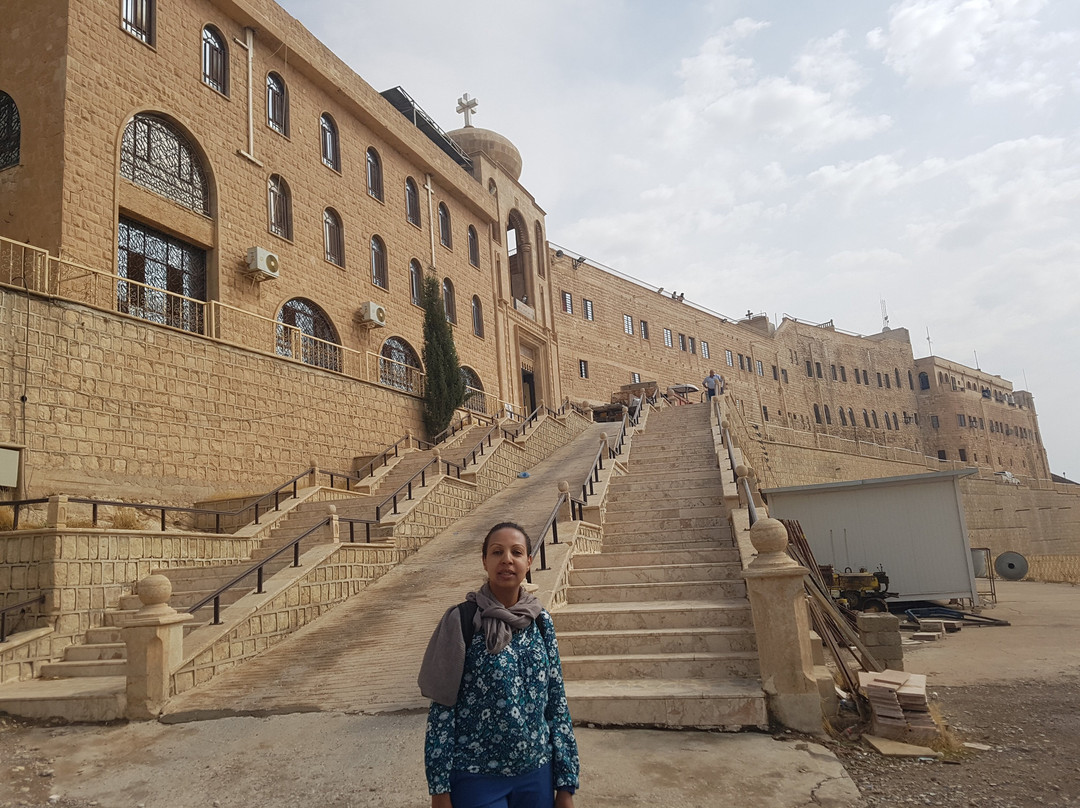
492 145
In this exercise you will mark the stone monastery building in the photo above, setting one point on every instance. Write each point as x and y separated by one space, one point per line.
215 237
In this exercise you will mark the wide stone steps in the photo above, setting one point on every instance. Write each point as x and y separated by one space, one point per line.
83 668
681 590
682 640
95 650
667 573
729 704
659 484
665 511
706 553
707 666
668 526
104 634
651 615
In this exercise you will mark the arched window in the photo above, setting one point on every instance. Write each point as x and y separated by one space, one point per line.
374 174
445 237
895 421
910 380
333 237
851 416
331 146
277 104
817 414
215 60
477 317
873 414
518 250
10 131
924 381
475 397
416 283
278 207
305 332
137 18
541 250
828 415
155 155
888 423
412 202
399 366
843 418
449 306
474 247
379 274
866 417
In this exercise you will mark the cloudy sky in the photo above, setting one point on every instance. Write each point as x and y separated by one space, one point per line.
787 156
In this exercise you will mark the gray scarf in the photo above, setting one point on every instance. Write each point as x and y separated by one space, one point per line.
444 660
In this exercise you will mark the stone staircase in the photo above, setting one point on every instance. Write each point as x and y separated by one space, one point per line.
657 629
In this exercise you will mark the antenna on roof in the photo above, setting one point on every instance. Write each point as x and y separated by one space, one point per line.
884 316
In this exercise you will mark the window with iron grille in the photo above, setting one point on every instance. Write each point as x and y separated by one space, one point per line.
304 332
331 145
379 274
567 302
760 368
278 207
374 174
583 368
445 237
644 330
682 342
449 304
586 308
628 324
704 349
215 60
667 338
333 237
277 104
477 317
635 378
729 358
474 247
10 131
692 345
137 18
156 156
399 366
416 280
164 278
412 202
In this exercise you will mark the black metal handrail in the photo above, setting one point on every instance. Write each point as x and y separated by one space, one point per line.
587 487
552 525
22 610
407 487
470 456
531 418
619 438
383 456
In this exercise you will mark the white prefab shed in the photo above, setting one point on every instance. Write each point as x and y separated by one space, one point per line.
912 527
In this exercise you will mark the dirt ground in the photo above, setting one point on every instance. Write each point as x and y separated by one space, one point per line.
1014 689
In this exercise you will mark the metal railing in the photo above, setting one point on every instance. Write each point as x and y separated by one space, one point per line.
552 526
470 456
21 608
382 458
750 507
407 487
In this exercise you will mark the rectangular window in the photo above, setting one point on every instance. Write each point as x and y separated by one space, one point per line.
941 454
857 376
843 374
164 278
730 359
963 455
586 306
137 18
775 373
765 412
879 380
865 379
760 368
628 324
934 421
583 368
704 349
961 420
887 384
682 342
809 369
817 369
691 344
635 378
667 338
832 369
644 330
982 424
567 302
783 375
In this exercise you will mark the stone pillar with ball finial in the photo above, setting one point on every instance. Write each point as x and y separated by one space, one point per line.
154 637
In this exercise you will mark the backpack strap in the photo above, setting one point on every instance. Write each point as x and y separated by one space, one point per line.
466 613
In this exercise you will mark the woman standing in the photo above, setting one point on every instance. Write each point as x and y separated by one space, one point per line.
499 733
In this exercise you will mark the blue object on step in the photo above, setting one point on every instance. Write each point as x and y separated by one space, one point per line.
523 474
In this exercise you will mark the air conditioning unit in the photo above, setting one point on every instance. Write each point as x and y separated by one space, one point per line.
372 314
262 264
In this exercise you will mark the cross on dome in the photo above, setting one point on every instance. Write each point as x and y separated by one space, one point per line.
466 105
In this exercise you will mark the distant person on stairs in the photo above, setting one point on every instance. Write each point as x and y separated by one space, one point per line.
714 384
499 733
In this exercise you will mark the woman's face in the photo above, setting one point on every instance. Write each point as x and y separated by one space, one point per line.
506 562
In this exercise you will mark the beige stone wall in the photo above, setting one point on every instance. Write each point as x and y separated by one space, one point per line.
124 408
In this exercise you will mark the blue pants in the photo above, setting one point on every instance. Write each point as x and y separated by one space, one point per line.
535 789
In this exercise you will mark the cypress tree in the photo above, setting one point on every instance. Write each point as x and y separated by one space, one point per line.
444 388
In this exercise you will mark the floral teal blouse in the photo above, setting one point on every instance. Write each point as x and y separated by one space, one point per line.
511 715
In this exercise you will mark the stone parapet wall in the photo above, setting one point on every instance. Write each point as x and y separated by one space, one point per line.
1035 523
1064 569
342 571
